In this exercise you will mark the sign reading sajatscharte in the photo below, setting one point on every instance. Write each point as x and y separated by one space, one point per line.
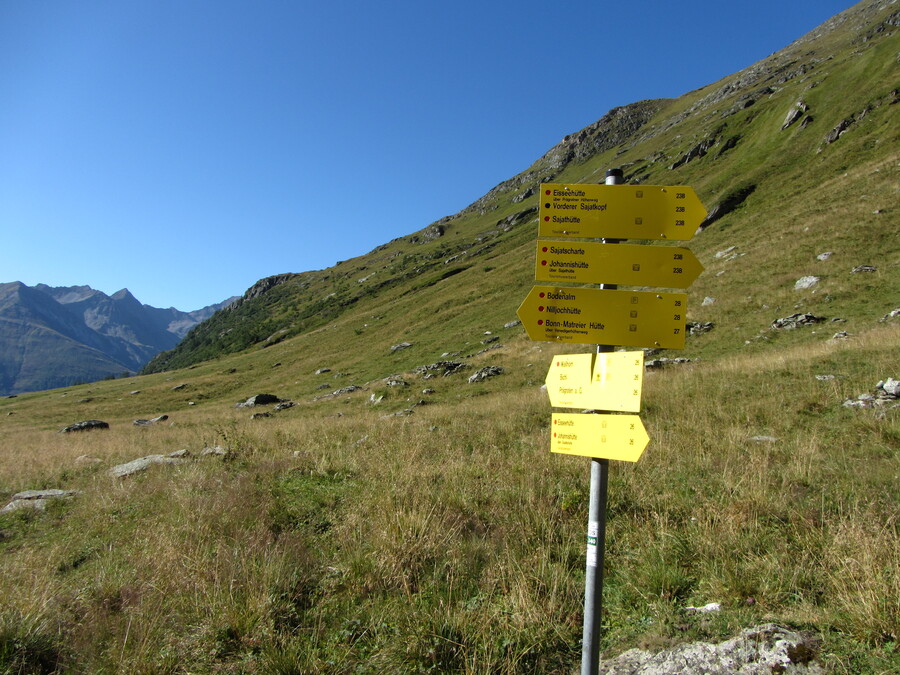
587 262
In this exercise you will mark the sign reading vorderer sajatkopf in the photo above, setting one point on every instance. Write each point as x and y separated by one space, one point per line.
590 211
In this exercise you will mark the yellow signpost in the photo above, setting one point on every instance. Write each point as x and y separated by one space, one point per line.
608 381
593 315
621 437
619 211
632 264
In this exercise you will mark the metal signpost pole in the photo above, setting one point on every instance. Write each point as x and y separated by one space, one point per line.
596 538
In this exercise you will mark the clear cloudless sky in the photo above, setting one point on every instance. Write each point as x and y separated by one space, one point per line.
185 149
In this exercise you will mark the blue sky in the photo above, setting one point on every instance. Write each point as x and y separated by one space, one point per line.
186 149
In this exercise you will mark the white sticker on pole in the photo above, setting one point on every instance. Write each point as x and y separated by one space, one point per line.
593 531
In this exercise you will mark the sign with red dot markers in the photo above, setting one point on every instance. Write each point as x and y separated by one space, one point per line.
619 211
604 316
587 262
621 437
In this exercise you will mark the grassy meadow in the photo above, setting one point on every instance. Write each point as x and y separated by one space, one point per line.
337 537
349 535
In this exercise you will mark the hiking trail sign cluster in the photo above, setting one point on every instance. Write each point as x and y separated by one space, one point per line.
570 216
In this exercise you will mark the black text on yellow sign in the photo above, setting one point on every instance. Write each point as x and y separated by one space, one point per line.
619 211
608 381
602 316
586 262
621 437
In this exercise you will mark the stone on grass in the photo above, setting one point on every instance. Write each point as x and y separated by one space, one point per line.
654 364
36 499
399 413
484 373
699 327
890 387
258 399
444 368
141 464
761 650
806 282
797 320
705 609
147 423
885 394
86 425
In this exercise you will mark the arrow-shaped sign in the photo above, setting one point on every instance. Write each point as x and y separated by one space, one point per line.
603 316
629 264
620 437
619 211
607 381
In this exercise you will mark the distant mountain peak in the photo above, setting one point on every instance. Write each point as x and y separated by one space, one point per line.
55 336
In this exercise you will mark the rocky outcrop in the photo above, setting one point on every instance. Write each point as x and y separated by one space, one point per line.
264 286
885 394
442 368
728 204
761 650
430 233
795 113
797 320
620 127
484 373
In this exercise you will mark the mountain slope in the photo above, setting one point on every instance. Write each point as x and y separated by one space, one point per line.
58 336
787 140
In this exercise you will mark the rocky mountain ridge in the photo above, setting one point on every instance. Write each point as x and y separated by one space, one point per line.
57 336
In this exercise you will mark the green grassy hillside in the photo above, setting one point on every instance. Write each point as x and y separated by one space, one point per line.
397 519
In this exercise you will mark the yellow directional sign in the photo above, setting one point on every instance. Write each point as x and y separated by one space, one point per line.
610 381
603 316
630 264
620 437
619 211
